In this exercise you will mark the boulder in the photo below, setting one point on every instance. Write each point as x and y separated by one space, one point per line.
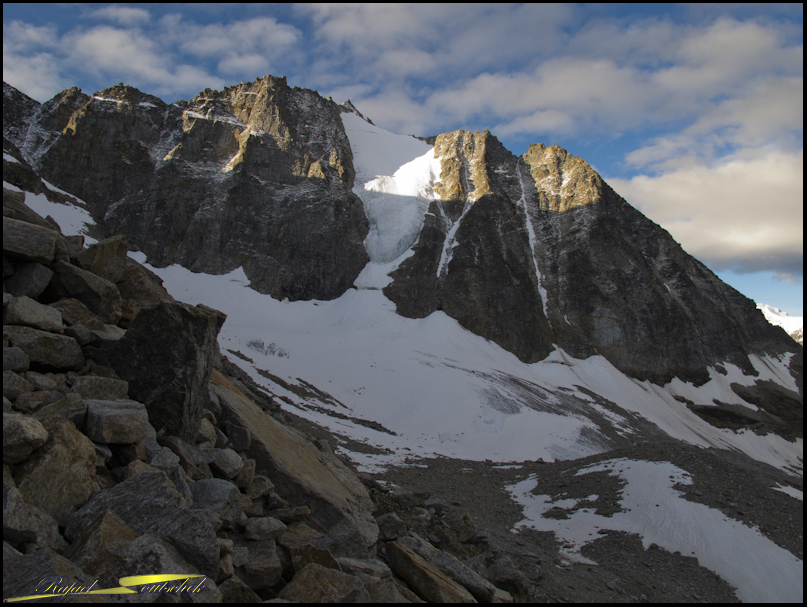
149 503
22 435
14 359
74 312
116 421
23 522
377 579
59 477
14 385
306 475
482 589
23 573
262 568
29 279
45 348
390 526
166 356
263 528
106 259
424 578
30 313
102 388
220 496
100 296
27 241
317 584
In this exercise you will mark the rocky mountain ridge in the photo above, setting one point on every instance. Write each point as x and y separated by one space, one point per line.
260 175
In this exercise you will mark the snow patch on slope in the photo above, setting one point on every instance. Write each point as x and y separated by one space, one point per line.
653 508
777 317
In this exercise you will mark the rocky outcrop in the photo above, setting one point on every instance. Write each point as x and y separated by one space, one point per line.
538 251
258 176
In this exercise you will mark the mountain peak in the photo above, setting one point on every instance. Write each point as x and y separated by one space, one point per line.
348 107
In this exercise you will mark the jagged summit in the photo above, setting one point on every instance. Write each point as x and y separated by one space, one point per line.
532 252
348 106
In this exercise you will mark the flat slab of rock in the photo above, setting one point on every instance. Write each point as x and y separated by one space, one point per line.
27 241
31 313
424 578
330 489
103 388
43 347
116 421
22 435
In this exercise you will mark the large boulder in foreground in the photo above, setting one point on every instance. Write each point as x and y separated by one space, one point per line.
332 491
166 356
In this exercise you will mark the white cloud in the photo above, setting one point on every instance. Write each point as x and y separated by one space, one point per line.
122 15
744 214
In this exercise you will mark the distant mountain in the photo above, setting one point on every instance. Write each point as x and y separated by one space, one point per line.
793 325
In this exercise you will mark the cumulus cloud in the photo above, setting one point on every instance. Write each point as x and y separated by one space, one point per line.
122 15
744 214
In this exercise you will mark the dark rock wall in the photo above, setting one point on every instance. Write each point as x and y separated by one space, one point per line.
257 175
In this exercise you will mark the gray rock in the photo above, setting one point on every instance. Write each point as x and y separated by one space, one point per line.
460 521
390 526
22 573
29 279
74 312
259 486
317 584
59 477
328 487
102 388
26 311
31 402
72 407
263 528
226 463
166 356
149 504
100 296
26 241
106 258
262 568
50 349
424 578
116 421
14 385
167 461
41 381
80 333
15 359
219 495
22 435
234 590
377 579
23 522
481 588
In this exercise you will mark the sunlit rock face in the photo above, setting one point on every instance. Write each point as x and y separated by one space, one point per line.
531 252
256 175
538 250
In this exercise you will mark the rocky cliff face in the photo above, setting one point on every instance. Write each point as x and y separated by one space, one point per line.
257 175
538 250
531 252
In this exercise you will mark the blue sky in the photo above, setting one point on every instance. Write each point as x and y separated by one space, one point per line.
693 113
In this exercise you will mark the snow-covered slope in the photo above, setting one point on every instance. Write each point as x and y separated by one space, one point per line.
793 325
